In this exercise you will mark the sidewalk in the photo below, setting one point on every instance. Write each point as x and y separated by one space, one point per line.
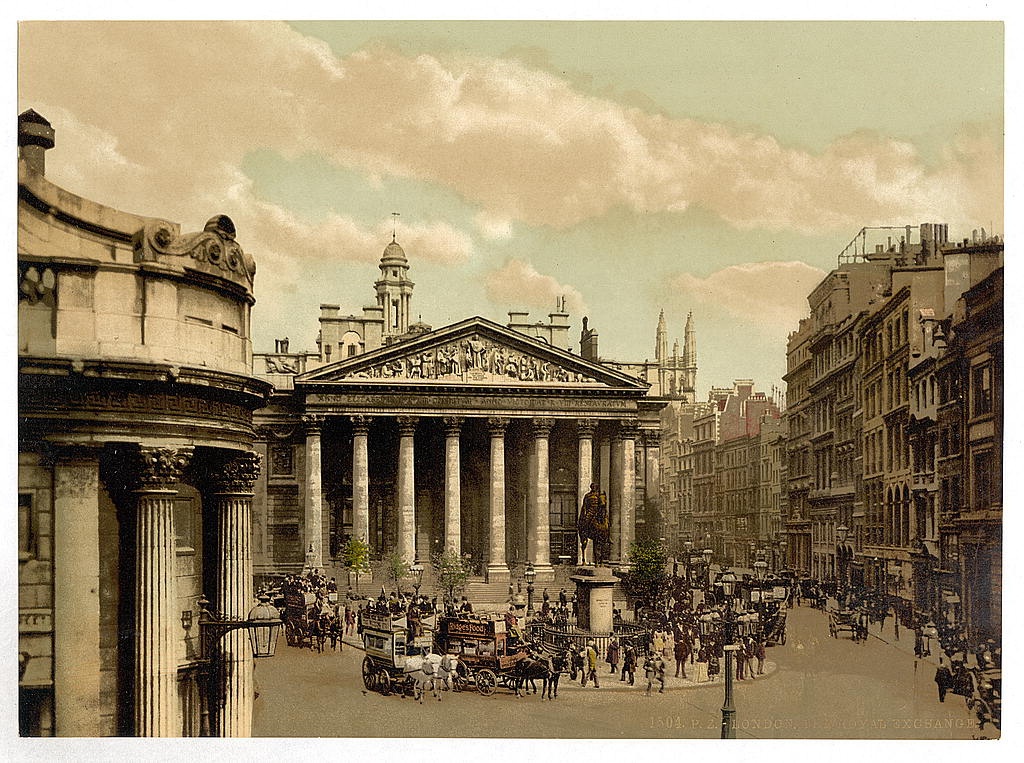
611 682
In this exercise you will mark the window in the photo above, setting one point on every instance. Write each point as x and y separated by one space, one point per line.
26 529
984 480
981 389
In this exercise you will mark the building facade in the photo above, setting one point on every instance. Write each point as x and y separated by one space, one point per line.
135 464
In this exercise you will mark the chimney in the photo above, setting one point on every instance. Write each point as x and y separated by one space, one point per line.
35 137
588 343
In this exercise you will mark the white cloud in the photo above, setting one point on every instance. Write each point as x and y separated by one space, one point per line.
183 103
767 297
517 284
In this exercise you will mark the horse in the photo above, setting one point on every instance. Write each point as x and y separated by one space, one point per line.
557 666
529 669
592 523
419 673
447 667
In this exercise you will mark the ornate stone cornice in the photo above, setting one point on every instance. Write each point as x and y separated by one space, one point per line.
213 250
407 424
496 425
237 474
159 468
453 425
360 424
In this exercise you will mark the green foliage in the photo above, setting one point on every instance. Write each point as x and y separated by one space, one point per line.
451 572
355 557
647 581
396 568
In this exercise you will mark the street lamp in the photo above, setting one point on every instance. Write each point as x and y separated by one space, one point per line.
728 581
841 533
417 570
760 570
530 575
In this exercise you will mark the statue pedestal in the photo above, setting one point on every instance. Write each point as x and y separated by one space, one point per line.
594 598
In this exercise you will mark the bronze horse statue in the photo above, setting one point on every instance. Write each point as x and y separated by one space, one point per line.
592 524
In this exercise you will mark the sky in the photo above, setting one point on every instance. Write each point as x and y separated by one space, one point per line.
630 167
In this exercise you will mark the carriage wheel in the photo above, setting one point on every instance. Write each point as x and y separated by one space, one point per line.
368 673
383 681
486 682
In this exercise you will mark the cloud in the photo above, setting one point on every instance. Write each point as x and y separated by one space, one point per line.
517 284
190 100
766 297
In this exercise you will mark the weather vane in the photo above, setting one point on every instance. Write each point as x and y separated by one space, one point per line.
394 225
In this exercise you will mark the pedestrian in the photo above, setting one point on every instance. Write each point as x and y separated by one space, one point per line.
590 664
563 598
700 667
629 662
943 679
918 642
682 653
759 653
654 670
612 655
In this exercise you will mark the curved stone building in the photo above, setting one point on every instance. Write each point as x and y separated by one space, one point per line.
135 463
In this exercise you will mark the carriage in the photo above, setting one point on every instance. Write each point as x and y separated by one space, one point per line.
388 642
774 628
298 611
985 695
484 646
843 620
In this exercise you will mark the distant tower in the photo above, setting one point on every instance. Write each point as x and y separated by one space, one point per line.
689 385
394 291
661 354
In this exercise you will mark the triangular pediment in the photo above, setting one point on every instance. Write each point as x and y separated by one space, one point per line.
474 351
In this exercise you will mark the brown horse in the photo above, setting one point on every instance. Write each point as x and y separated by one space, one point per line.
592 524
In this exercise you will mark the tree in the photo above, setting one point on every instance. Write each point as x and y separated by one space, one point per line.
396 568
647 581
355 557
451 573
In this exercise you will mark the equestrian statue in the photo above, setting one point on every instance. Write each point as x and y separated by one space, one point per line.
592 525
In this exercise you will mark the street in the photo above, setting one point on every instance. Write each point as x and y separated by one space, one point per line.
821 688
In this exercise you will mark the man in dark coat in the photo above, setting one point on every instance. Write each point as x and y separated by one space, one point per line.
943 679
682 654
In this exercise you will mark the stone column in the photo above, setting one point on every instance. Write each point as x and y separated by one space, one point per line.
585 470
615 498
361 477
231 492
406 498
314 507
452 486
538 536
76 587
627 498
654 511
497 566
157 616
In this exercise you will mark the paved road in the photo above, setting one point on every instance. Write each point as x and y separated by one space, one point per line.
822 688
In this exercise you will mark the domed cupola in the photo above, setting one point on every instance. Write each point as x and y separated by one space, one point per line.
394 290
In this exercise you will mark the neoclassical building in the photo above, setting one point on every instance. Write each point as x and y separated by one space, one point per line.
135 464
476 437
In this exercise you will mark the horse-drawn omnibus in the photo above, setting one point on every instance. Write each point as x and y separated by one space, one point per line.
388 643
484 646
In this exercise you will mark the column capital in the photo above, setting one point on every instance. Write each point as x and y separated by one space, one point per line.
237 473
313 422
541 427
159 468
629 429
360 423
496 425
651 438
586 427
453 425
407 424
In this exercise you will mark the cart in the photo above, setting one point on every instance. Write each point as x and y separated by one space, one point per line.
985 697
775 629
298 607
483 645
388 643
842 620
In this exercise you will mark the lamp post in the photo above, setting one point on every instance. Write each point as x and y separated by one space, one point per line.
728 710
417 570
707 555
264 626
841 534
530 574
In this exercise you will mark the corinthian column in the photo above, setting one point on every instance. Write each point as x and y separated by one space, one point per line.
232 488
314 505
497 566
538 538
627 498
157 614
616 498
361 477
452 486
407 488
585 470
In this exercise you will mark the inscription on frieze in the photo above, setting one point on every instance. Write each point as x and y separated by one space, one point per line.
135 402
405 400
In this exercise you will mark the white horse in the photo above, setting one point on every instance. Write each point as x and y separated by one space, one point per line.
420 670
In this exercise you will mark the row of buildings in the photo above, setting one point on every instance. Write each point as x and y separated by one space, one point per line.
882 468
